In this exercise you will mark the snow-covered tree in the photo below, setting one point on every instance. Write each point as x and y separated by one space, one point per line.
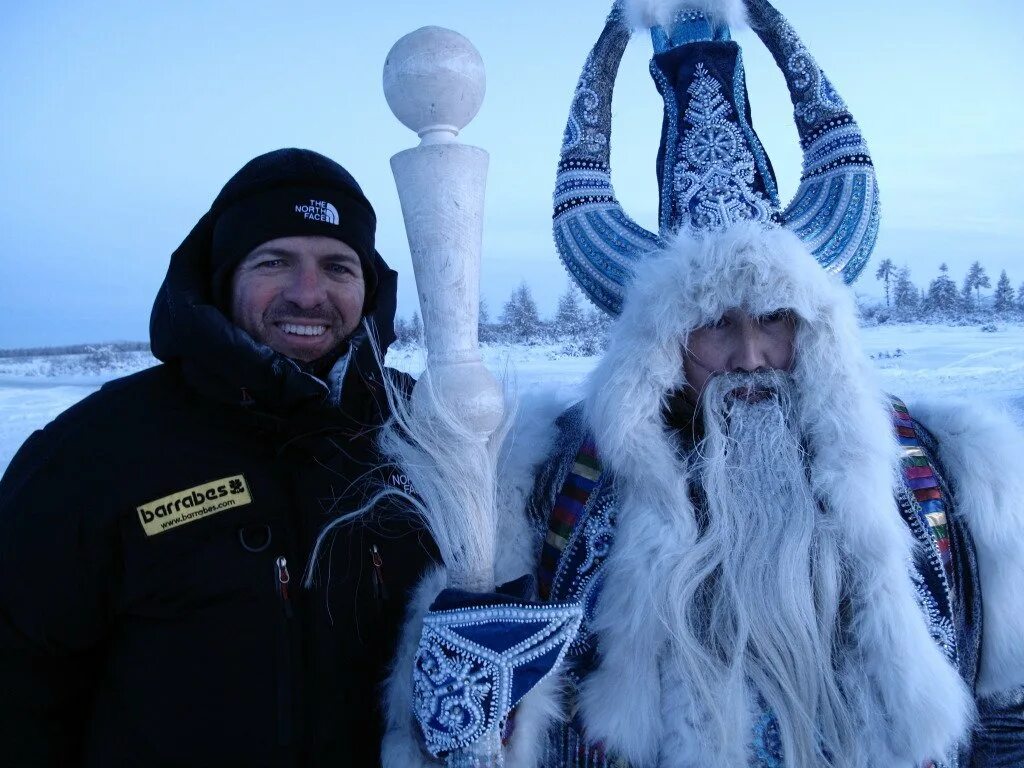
1002 299
582 329
904 295
975 280
416 329
409 332
403 334
943 297
1020 297
485 328
570 319
520 321
598 326
885 272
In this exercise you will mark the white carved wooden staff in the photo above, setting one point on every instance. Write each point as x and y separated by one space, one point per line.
434 83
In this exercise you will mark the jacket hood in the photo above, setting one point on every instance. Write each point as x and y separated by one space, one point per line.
224 362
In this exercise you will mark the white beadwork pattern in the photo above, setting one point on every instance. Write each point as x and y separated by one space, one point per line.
463 689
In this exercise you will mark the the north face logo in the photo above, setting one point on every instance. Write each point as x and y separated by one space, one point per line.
318 210
402 481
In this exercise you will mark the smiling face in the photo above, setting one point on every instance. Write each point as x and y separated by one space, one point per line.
301 296
739 342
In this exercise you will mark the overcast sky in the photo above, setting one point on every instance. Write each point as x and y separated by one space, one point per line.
120 121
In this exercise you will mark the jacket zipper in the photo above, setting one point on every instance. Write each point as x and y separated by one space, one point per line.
380 590
284 667
283 578
924 539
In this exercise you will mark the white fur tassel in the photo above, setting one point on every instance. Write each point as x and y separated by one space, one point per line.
453 473
644 14
981 452
436 475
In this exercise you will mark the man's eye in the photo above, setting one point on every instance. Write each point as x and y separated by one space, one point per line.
269 263
341 269
778 316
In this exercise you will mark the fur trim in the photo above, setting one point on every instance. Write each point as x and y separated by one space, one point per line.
527 444
621 699
679 748
980 450
923 707
402 746
644 14
541 708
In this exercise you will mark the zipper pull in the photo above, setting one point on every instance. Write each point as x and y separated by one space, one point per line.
380 591
282 584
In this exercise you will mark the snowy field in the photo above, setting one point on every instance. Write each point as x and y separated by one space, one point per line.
914 362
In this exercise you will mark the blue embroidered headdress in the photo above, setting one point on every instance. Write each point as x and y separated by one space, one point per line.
712 168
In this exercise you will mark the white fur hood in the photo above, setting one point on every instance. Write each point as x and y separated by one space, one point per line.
923 706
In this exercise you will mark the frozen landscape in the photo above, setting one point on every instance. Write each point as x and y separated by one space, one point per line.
914 361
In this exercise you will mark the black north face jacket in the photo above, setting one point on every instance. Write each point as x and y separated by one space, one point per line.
152 544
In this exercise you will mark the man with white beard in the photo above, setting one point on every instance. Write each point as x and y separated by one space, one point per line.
761 590
770 562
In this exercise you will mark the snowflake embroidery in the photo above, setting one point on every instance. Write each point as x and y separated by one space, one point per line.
714 176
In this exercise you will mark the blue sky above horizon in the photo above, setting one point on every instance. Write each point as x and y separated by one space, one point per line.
121 121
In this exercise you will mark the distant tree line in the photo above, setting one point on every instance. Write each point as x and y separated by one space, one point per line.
576 327
83 359
77 349
943 300
581 329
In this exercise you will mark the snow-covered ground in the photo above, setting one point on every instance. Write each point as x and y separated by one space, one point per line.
914 362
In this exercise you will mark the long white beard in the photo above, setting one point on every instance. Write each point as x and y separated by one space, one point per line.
757 616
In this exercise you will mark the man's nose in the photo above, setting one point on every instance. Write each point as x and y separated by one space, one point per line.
751 352
306 288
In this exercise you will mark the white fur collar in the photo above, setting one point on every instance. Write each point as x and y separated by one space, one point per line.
981 452
924 707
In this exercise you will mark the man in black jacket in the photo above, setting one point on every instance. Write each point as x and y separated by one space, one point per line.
153 537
